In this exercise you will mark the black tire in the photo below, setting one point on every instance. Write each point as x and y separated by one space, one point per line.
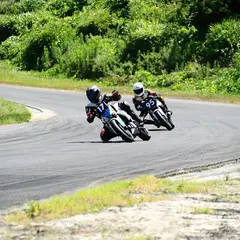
121 132
144 134
170 120
164 120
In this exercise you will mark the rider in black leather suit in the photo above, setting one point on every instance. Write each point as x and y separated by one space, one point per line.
95 97
141 94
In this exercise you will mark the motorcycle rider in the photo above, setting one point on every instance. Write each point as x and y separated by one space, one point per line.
141 94
95 97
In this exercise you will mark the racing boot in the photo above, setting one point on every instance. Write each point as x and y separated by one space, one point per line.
126 107
166 109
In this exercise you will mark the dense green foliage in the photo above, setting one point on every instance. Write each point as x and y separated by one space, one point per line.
180 44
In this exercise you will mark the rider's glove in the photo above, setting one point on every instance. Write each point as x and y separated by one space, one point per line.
157 96
90 117
116 95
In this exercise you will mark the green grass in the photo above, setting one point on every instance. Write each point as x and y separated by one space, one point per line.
233 195
9 75
122 193
203 210
141 238
235 198
13 113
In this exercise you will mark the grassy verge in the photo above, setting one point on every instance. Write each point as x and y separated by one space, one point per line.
123 193
13 113
9 75
203 210
141 238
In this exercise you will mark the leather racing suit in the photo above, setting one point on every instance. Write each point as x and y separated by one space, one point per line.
139 100
90 109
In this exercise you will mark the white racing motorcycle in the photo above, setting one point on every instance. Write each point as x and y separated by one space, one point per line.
120 123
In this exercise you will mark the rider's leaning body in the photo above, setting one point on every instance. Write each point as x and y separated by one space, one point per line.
91 108
141 94
138 100
95 97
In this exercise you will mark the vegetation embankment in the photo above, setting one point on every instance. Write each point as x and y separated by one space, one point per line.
176 45
125 193
10 75
11 112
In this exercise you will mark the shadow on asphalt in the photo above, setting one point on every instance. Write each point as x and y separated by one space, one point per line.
100 142
157 130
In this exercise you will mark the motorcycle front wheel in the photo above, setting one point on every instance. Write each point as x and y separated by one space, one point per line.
121 132
163 120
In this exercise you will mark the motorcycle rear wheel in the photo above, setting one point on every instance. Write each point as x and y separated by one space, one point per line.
144 134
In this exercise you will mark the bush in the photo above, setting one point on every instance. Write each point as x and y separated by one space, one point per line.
24 6
6 6
154 62
175 45
183 47
145 77
93 21
40 49
144 36
63 8
91 59
10 48
7 27
228 81
203 13
192 77
11 25
121 7
124 69
202 78
150 10
165 80
222 42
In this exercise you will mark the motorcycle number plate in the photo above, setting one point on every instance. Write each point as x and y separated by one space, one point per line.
150 103
102 107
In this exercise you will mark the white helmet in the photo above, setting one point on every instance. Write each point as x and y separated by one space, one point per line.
138 89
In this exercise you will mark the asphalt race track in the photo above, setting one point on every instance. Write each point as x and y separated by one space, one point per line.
64 153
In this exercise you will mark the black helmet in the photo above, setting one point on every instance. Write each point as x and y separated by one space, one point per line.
93 94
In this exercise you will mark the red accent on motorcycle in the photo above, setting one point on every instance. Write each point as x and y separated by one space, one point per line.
102 132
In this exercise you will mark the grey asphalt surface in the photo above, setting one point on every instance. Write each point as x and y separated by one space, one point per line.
64 153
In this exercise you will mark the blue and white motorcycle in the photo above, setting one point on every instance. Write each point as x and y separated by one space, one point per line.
155 109
120 123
